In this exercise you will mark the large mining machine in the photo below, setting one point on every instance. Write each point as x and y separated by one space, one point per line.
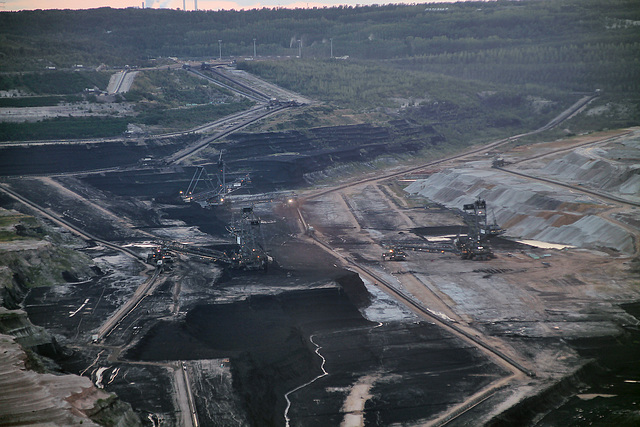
470 247
476 216
250 254
474 245
160 256
214 193
394 254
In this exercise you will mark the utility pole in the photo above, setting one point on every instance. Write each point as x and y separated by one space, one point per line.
254 48
300 48
220 49
331 40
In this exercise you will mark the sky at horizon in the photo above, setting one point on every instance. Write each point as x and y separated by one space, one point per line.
16 5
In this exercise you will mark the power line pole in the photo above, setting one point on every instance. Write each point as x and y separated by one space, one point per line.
331 40
220 49
254 48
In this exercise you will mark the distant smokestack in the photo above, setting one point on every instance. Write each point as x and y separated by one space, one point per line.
143 5
195 4
184 5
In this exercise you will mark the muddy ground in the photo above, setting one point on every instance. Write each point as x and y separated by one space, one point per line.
309 332
262 323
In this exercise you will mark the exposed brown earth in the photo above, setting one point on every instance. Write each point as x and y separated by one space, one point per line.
496 320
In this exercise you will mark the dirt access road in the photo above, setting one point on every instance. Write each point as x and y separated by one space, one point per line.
496 305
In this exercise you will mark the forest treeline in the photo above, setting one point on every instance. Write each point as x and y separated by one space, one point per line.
583 43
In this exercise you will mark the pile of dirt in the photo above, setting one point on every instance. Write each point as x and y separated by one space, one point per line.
596 169
529 210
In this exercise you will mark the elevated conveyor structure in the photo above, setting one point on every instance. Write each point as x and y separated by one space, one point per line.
214 193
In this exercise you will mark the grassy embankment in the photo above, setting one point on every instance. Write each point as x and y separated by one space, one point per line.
168 100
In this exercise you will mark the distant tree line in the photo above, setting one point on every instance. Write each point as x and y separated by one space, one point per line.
593 33
443 61
585 43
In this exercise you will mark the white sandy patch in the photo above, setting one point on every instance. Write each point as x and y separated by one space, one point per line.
353 407
544 245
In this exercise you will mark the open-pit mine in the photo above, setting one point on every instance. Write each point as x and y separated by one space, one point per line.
208 280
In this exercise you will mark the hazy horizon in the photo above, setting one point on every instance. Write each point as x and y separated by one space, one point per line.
18 5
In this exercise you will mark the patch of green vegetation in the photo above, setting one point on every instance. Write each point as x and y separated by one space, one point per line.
151 114
8 236
185 118
464 112
11 220
55 82
64 128
45 266
39 101
175 88
19 227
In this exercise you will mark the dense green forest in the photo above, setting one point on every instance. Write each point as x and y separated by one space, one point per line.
573 44
481 65
581 43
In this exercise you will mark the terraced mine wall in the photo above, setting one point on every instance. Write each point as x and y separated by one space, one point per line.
289 157
615 170
275 159
527 209
32 398
39 159
32 390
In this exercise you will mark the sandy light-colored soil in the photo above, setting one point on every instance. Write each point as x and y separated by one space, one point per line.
526 301
83 109
29 398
